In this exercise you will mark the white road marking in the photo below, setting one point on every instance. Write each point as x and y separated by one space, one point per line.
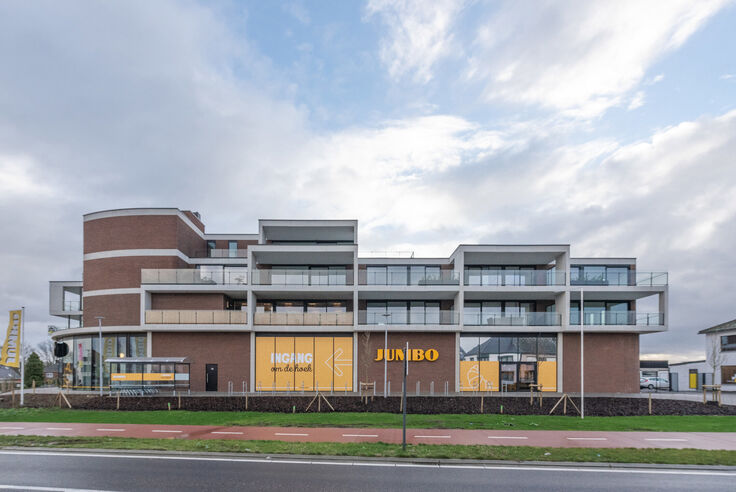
507 437
12 428
592 469
360 435
666 440
59 428
110 430
164 430
225 432
587 439
435 437
51 489
289 434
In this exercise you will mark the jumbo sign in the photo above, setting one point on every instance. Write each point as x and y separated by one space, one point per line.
414 355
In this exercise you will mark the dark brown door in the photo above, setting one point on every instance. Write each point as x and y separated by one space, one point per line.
211 377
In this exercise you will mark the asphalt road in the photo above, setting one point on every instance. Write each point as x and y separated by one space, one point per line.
87 470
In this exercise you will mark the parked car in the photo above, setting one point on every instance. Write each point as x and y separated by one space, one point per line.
652 383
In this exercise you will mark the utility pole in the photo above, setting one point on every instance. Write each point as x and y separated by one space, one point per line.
22 357
99 325
582 355
406 371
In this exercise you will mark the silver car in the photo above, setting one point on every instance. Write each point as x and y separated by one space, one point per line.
652 383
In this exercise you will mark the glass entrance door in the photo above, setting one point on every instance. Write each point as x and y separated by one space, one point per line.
517 376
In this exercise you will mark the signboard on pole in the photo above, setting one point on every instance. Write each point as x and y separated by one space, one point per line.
10 355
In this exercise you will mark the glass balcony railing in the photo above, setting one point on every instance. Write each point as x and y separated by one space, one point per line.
507 319
514 278
617 318
304 319
443 317
196 317
193 276
444 277
303 277
72 306
632 278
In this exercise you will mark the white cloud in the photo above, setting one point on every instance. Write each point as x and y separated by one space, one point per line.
637 101
578 57
419 34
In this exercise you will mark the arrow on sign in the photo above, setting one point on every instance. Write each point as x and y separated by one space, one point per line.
338 362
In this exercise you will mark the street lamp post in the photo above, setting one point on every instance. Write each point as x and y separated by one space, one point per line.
385 354
582 354
99 326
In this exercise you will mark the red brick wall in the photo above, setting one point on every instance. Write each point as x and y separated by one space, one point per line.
230 351
440 371
611 362
118 310
187 301
123 271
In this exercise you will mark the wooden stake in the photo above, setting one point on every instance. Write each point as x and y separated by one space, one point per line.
481 403
179 396
33 386
650 403
246 402
118 403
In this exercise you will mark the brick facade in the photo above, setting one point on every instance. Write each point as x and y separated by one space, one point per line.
611 362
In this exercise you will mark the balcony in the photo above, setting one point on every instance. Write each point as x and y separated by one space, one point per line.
514 278
304 319
443 317
631 278
72 306
521 319
196 317
631 318
444 277
192 276
303 277
221 253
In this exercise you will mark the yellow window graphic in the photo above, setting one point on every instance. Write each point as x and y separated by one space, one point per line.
488 380
283 366
341 362
304 363
547 375
323 350
264 374
469 375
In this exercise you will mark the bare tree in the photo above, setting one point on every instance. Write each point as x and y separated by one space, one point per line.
45 351
715 357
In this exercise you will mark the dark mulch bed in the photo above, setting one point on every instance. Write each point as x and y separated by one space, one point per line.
594 406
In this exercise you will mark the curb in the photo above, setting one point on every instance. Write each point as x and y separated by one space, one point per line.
370 459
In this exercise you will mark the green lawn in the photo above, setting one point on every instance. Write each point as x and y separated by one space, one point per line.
670 423
515 453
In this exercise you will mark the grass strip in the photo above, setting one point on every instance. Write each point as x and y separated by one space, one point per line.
655 423
436 451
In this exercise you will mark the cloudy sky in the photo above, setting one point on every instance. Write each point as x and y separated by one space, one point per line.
607 125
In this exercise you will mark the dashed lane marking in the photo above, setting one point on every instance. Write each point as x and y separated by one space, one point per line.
666 439
226 432
434 437
110 430
59 428
587 439
289 434
169 431
12 428
360 435
507 437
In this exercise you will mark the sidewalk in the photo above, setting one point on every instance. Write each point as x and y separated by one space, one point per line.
557 439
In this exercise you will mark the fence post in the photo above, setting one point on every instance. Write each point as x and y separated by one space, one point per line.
431 388
418 386
388 388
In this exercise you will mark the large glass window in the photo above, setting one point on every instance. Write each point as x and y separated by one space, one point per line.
397 275
232 249
376 275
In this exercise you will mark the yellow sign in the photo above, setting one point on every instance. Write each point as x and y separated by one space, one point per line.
415 355
11 347
304 363
133 376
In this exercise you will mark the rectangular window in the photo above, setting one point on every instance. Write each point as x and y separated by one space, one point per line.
728 342
728 374
617 276
397 275
211 245
232 249
376 275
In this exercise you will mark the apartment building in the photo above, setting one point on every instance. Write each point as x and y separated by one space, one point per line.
294 307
